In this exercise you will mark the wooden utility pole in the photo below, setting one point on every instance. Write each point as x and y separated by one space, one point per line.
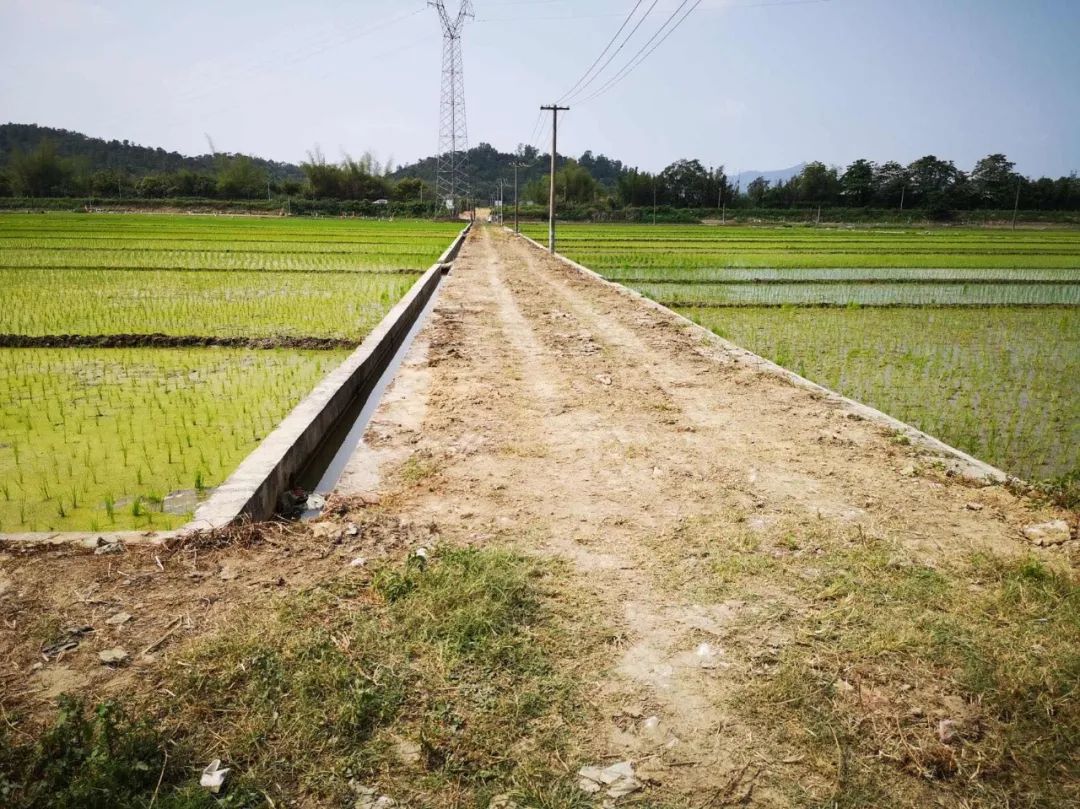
554 109
517 226
1016 204
654 199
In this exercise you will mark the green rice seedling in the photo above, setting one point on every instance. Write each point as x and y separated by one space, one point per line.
139 432
1000 383
124 424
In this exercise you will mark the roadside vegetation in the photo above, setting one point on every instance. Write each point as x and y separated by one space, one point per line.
440 683
885 678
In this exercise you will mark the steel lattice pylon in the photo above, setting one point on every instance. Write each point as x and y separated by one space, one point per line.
451 181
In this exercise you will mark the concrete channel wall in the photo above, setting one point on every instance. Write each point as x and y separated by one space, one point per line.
255 488
960 461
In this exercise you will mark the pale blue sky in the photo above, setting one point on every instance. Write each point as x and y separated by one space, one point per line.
752 84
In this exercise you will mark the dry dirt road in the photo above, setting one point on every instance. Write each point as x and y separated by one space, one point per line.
543 409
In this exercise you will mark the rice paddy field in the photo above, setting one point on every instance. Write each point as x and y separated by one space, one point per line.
132 436
972 335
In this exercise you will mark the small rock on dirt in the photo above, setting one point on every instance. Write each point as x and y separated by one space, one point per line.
616 781
368 798
1054 532
325 530
603 379
228 573
105 546
503 802
118 619
407 752
113 657
707 655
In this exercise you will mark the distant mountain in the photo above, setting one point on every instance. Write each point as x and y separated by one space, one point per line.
744 178
97 154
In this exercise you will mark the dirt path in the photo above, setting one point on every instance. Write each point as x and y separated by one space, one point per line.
543 409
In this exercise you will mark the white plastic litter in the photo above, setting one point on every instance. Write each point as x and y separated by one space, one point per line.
213 777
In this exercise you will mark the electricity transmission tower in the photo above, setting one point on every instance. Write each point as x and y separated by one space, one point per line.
451 181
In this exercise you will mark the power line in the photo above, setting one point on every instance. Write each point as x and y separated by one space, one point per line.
607 47
638 58
536 128
336 39
603 67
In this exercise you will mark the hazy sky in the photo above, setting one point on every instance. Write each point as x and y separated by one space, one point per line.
752 84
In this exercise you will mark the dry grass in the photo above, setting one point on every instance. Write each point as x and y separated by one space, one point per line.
897 682
440 683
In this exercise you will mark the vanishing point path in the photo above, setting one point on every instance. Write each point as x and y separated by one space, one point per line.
544 410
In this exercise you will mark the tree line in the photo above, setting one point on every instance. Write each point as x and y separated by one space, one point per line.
55 167
927 184
43 172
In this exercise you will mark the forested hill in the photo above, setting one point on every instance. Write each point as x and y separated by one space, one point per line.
97 154
485 166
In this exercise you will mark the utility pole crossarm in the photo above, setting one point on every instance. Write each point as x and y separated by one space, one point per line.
554 109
